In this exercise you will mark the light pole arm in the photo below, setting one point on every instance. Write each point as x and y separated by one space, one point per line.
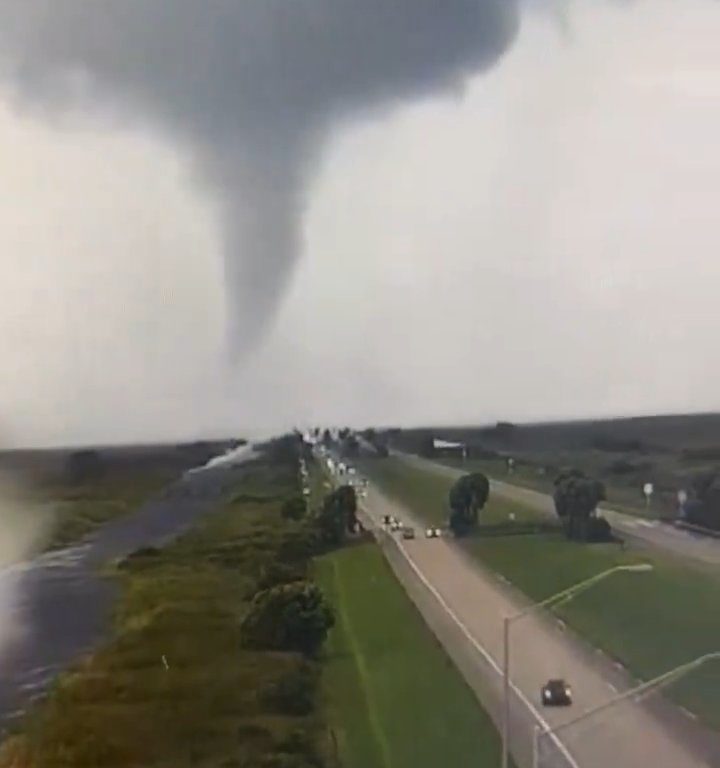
656 682
568 593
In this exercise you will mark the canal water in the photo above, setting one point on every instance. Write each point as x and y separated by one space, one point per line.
62 606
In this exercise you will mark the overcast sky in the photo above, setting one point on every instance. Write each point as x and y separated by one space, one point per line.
541 242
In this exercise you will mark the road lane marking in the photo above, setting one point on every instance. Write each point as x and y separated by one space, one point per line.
612 687
488 658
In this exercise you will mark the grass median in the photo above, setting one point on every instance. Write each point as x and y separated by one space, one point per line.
395 698
651 622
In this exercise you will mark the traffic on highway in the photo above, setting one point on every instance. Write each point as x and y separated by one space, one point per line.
565 703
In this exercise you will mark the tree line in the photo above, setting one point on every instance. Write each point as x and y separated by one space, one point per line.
576 498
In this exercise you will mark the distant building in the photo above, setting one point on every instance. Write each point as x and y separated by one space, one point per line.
447 448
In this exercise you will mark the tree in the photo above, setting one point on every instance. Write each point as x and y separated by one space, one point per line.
84 465
704 509
466 498
288 617
351 447
327 438
294 693
294 508
381 450
427 446
347 500
276 572
576 498
338 515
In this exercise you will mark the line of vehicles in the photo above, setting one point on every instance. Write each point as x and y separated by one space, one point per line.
395 525
556 692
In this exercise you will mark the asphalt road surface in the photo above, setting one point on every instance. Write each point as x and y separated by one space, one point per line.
629 735
465 606
655 533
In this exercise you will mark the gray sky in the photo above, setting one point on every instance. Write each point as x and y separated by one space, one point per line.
539 240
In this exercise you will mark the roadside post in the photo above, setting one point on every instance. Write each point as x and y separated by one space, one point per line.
682 498
648 490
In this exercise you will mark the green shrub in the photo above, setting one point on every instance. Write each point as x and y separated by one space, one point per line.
294 693
294 508
289 617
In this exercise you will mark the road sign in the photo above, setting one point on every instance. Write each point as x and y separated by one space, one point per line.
682 498
648 489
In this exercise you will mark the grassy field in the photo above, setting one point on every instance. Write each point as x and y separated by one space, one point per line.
427 493
669 451
73 504
216 705
622 498
80 508
651 622
396 700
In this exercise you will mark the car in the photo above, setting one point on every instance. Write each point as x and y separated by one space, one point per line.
556 693
395 525
408 532
432 533
387 519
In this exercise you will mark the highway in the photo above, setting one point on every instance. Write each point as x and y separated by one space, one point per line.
630 735
465 604
654 533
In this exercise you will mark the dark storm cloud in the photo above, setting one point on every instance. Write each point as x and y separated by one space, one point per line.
250 88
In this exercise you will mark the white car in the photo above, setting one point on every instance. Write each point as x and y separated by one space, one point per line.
395 525
432 533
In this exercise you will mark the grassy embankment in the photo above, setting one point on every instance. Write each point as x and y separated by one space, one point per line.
218 705
651 622
619 497
81 508
395 697
77 491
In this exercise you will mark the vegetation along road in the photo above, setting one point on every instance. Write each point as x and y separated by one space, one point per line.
655 533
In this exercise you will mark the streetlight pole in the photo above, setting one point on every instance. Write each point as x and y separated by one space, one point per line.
639 690
558 599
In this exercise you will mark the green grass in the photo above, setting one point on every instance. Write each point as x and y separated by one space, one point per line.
619 497
81 508
395 698
212 707
651 622
426 493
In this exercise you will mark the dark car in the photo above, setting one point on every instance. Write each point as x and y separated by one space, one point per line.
556 693
387 519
